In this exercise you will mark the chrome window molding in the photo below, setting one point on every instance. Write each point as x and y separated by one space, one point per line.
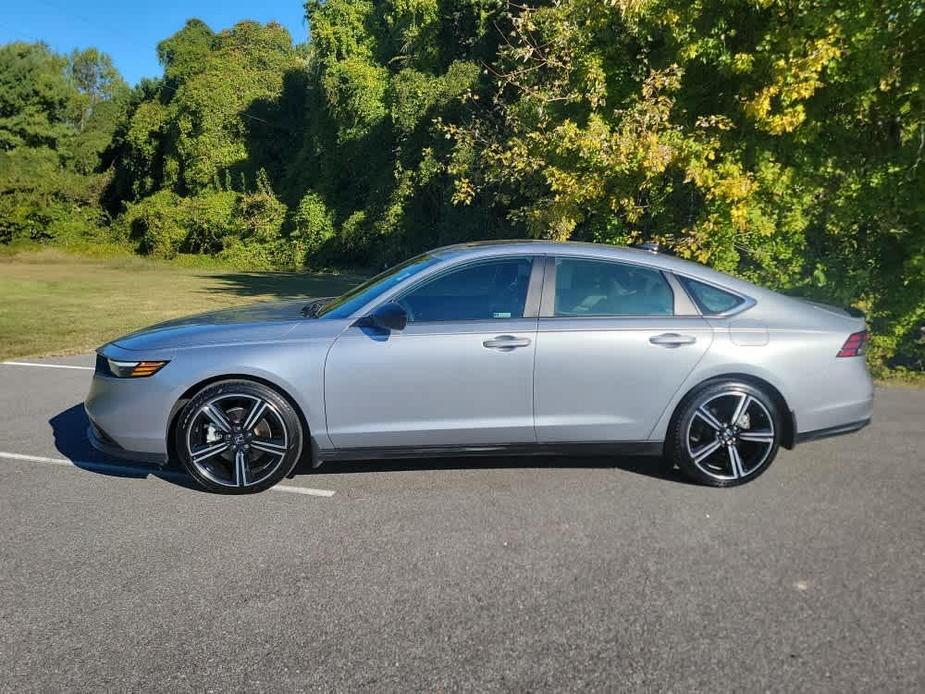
548 303
531 302
684 305
747 301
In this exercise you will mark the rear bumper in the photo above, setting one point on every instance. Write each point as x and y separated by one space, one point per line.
829 432
838 399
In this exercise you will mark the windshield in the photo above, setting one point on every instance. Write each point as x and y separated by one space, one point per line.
347 304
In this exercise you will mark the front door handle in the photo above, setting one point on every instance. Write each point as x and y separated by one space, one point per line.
672 340
506 342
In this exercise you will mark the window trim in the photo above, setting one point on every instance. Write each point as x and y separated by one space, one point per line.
747 301
548 304
683 304
531 301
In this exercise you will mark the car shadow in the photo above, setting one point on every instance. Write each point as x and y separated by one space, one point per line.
70 432
649 466
282 285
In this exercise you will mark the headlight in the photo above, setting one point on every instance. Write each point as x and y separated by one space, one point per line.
132 369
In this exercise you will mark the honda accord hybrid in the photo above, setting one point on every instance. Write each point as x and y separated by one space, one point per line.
490 348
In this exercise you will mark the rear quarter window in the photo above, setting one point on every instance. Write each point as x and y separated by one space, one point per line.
711 300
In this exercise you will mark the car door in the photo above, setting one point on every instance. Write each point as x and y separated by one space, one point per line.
459 374
614 343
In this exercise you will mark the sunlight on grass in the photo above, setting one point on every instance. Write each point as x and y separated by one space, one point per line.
55 303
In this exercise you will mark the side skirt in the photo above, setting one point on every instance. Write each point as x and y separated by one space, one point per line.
622 448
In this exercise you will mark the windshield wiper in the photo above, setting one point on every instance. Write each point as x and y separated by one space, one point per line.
311 309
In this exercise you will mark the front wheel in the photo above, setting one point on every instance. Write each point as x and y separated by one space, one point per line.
724 434
238 437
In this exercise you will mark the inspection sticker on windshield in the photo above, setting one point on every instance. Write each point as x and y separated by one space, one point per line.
500 314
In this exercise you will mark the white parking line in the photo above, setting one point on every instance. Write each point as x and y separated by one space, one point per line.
47 366
302 490
37 458
128 470
88 465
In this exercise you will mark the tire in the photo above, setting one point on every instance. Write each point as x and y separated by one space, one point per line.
725 433
238 437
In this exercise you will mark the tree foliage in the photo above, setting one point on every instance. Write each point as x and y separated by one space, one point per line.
780 140
57 116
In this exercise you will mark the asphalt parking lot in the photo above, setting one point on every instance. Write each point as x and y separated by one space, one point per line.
524 574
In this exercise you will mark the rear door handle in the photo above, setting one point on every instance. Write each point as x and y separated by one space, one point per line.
506 342
672 340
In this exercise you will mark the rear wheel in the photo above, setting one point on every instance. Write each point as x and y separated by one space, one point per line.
238 436
724 434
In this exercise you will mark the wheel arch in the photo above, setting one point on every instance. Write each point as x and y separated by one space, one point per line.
188 394
788 435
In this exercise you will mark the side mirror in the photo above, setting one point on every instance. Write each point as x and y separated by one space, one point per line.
390 316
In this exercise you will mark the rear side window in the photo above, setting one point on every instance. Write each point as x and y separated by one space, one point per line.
710 300
602 288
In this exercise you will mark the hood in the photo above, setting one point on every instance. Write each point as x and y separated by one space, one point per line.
254 323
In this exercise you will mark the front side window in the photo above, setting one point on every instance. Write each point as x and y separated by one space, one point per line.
711 300
601 288
487 290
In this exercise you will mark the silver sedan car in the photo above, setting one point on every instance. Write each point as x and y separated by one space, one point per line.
489 348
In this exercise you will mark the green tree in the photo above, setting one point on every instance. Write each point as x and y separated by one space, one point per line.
35 97
777 140
57 115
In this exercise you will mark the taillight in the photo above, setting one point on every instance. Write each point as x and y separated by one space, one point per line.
855 345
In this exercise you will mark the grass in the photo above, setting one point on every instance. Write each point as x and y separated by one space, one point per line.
901 377
53 302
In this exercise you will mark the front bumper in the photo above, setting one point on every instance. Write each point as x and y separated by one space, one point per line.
104 444
129 416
